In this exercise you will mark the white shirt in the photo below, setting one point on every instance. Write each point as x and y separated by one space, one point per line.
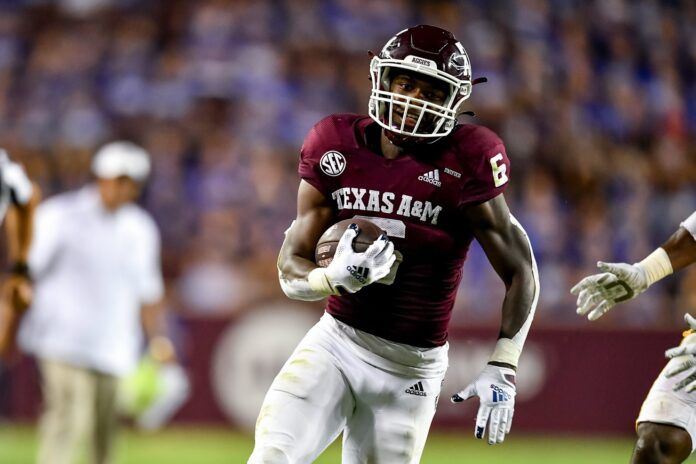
93 270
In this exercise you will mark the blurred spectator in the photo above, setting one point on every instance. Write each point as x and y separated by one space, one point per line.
95 260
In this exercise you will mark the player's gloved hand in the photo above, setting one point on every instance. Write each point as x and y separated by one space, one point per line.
495 387
389 278
687 352
350 270
598 293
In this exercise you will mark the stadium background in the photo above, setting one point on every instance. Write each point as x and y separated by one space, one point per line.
596 101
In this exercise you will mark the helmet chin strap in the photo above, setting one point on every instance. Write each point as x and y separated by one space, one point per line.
478 80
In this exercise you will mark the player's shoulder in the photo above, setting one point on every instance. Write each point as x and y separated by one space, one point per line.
482 162
333 132
473 140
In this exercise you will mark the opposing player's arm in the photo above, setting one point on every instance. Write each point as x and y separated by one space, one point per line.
509 251
618 282
681 246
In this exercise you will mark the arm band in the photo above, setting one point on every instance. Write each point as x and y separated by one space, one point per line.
656 266
506 351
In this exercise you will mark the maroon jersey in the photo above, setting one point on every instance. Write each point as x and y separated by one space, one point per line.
418 198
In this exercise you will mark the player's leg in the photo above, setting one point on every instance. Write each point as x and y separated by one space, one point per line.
666 423
68 400
392 425
105 420
304 410
661 444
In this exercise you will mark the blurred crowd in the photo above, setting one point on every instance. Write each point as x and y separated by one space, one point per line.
596 101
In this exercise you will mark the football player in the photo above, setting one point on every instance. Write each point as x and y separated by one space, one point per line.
666 424
18 199
373 366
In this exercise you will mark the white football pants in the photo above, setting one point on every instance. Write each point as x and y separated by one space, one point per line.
665 406
382 395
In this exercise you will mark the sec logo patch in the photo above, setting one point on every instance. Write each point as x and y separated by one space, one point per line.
332 163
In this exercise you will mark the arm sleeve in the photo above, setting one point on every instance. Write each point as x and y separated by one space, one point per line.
488 168
690 224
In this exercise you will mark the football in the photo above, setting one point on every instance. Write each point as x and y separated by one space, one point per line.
326 246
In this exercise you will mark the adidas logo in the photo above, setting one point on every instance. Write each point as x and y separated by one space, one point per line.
499 395
359 273
431 177
416 389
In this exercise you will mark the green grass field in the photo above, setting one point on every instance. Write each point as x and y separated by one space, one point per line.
218 446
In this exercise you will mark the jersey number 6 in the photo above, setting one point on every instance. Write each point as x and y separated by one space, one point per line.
499 175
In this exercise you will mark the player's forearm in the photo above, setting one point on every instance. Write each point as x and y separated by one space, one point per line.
519 305
301 279
676 253
518 312
681 248
19 224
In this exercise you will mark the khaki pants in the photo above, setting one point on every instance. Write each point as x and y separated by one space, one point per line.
79 410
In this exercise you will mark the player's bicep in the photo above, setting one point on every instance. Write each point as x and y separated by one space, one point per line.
504 244
314 215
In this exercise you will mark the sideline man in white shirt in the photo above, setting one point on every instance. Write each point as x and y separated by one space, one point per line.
95 259
666 425
18 199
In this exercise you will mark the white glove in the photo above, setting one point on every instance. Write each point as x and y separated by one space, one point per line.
598 293
350 270
495 387
687 350
389 278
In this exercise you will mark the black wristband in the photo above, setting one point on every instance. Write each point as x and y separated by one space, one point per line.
19 268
